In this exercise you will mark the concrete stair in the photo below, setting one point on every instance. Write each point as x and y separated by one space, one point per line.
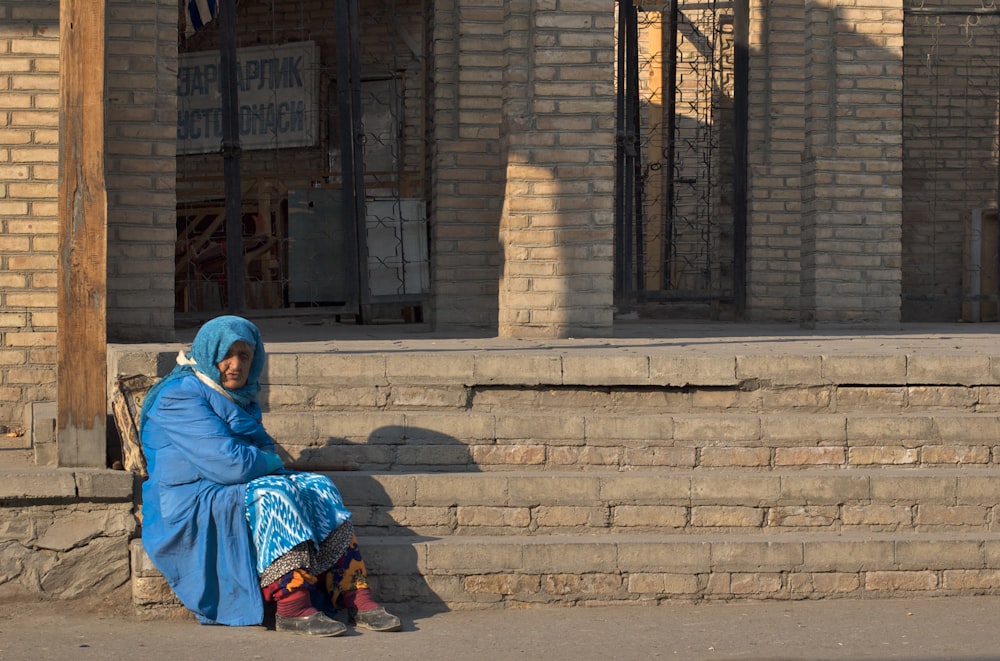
597 475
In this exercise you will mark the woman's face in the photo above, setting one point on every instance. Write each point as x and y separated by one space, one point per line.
235 367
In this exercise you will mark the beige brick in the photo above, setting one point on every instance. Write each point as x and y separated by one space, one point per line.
662 584
939 554
509 455
909 581
878 515
514 517
707 516
503 584
569 516
803 516
824 583
952 515
970 579
809 456
722 457
883 455
584 456
594 585
848 556
649 516
755 584
943 454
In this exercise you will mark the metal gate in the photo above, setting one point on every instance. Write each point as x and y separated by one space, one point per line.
681 156
951 94
333 221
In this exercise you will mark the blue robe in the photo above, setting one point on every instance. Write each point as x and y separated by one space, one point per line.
201 450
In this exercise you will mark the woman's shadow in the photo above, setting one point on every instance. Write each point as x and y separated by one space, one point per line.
378 479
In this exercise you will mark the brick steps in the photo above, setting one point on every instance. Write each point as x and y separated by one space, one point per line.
471 572
907 501
495 477
564 440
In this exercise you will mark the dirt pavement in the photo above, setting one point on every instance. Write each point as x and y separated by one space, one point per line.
924 629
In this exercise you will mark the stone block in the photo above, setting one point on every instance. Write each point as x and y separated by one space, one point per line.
864 369
681 371
824 489
28 484
628 489
553 489
104 484
786 370
512 427
733 488
756 556
665 555
335 369
927 368
723 429
938 554
517 368
581 555
804 430
901 581
847 556
408 368
594 368
713 516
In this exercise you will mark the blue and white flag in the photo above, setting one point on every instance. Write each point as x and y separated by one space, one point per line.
199 13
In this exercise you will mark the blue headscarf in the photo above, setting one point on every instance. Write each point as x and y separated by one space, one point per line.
209 348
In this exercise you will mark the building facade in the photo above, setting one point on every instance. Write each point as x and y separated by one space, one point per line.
489 141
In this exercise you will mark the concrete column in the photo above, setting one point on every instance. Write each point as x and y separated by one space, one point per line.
557 220
852 163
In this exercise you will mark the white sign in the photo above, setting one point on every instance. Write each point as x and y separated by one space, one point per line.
277 98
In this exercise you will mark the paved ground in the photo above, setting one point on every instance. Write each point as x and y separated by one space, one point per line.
926 629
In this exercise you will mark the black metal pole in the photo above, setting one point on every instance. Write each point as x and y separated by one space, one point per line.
741 123
231 155
670 112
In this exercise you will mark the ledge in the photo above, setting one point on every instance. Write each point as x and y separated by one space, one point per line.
65 484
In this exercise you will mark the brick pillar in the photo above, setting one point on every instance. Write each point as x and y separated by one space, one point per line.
557 221
852 166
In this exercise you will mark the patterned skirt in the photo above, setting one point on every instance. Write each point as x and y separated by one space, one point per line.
297 521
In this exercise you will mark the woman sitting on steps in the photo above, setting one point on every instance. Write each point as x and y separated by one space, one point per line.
224 522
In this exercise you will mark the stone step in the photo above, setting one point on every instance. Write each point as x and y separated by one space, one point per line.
471 572
582 438
907 501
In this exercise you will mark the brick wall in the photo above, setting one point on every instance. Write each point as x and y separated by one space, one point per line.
140 165
556 229
777 133
29 127
467 175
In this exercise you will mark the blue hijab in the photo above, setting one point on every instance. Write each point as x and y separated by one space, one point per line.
209 348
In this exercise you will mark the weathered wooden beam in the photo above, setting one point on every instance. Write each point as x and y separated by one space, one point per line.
82 291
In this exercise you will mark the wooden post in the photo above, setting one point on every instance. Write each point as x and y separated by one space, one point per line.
82 272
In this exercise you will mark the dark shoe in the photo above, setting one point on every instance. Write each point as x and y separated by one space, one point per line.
316 624
377 619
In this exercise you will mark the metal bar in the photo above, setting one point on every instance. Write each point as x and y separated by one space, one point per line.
345 110
358 135
636 152
231 155
670 110
741 123
622 267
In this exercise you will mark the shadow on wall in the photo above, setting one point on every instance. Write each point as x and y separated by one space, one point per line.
379 479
